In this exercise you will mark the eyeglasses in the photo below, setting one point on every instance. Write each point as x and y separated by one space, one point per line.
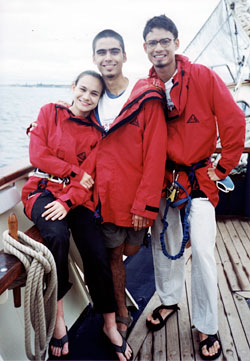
164 43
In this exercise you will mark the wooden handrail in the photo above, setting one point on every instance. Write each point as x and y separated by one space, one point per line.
15 171
245 150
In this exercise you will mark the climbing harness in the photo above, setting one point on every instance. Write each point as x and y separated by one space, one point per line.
171 196
172 193
40 304
52 178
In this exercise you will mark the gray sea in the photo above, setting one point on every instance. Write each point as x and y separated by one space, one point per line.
19 106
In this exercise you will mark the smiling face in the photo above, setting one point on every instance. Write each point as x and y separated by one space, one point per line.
86 94
109 57
160 51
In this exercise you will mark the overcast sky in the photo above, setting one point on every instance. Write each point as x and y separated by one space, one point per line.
49 41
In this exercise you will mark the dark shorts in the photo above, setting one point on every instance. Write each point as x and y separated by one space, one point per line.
114 235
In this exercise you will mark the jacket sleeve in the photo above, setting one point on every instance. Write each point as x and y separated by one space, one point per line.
41 156
89 165
148 194
74 194
231 126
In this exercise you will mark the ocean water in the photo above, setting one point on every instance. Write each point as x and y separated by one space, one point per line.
19 106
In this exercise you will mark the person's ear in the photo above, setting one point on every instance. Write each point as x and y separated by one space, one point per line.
177 44
124 57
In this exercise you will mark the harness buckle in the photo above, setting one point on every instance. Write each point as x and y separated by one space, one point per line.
55 179
52 178
173 190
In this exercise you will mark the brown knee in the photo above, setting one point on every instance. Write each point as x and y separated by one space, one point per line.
130 250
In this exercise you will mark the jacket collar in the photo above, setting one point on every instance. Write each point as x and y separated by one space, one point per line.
88 121
181 79
143 90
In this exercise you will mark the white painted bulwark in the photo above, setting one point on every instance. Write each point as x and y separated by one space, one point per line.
9 197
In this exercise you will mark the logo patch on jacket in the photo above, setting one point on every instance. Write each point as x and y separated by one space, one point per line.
193 119
81 157
134 122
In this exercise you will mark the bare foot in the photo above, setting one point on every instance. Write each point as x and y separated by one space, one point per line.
213 350
163 312
115 337
59 332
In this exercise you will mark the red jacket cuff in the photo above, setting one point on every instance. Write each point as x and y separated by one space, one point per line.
144 210
76 173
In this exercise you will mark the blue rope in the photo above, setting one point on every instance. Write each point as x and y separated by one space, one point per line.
185 224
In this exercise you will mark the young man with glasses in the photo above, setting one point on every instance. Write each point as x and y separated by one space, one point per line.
198 104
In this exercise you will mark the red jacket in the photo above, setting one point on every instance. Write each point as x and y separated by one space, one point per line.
59 145
130 158
202 104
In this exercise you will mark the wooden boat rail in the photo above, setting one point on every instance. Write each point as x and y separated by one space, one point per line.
245 150
13 173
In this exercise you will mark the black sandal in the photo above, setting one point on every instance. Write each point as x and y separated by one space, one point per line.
126 321
122 348
157 316
58 342
209 342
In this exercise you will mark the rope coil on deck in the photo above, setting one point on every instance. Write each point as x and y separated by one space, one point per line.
39 304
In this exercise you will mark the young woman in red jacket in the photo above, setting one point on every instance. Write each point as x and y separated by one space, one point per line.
57 197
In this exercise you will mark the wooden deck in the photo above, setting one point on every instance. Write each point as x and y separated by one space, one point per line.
179 341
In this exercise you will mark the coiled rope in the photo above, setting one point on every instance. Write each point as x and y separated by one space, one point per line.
40 302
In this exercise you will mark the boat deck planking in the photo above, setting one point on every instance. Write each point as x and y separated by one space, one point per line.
179 340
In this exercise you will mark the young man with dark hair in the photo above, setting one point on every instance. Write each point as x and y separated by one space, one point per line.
129 159
108 33
198 104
